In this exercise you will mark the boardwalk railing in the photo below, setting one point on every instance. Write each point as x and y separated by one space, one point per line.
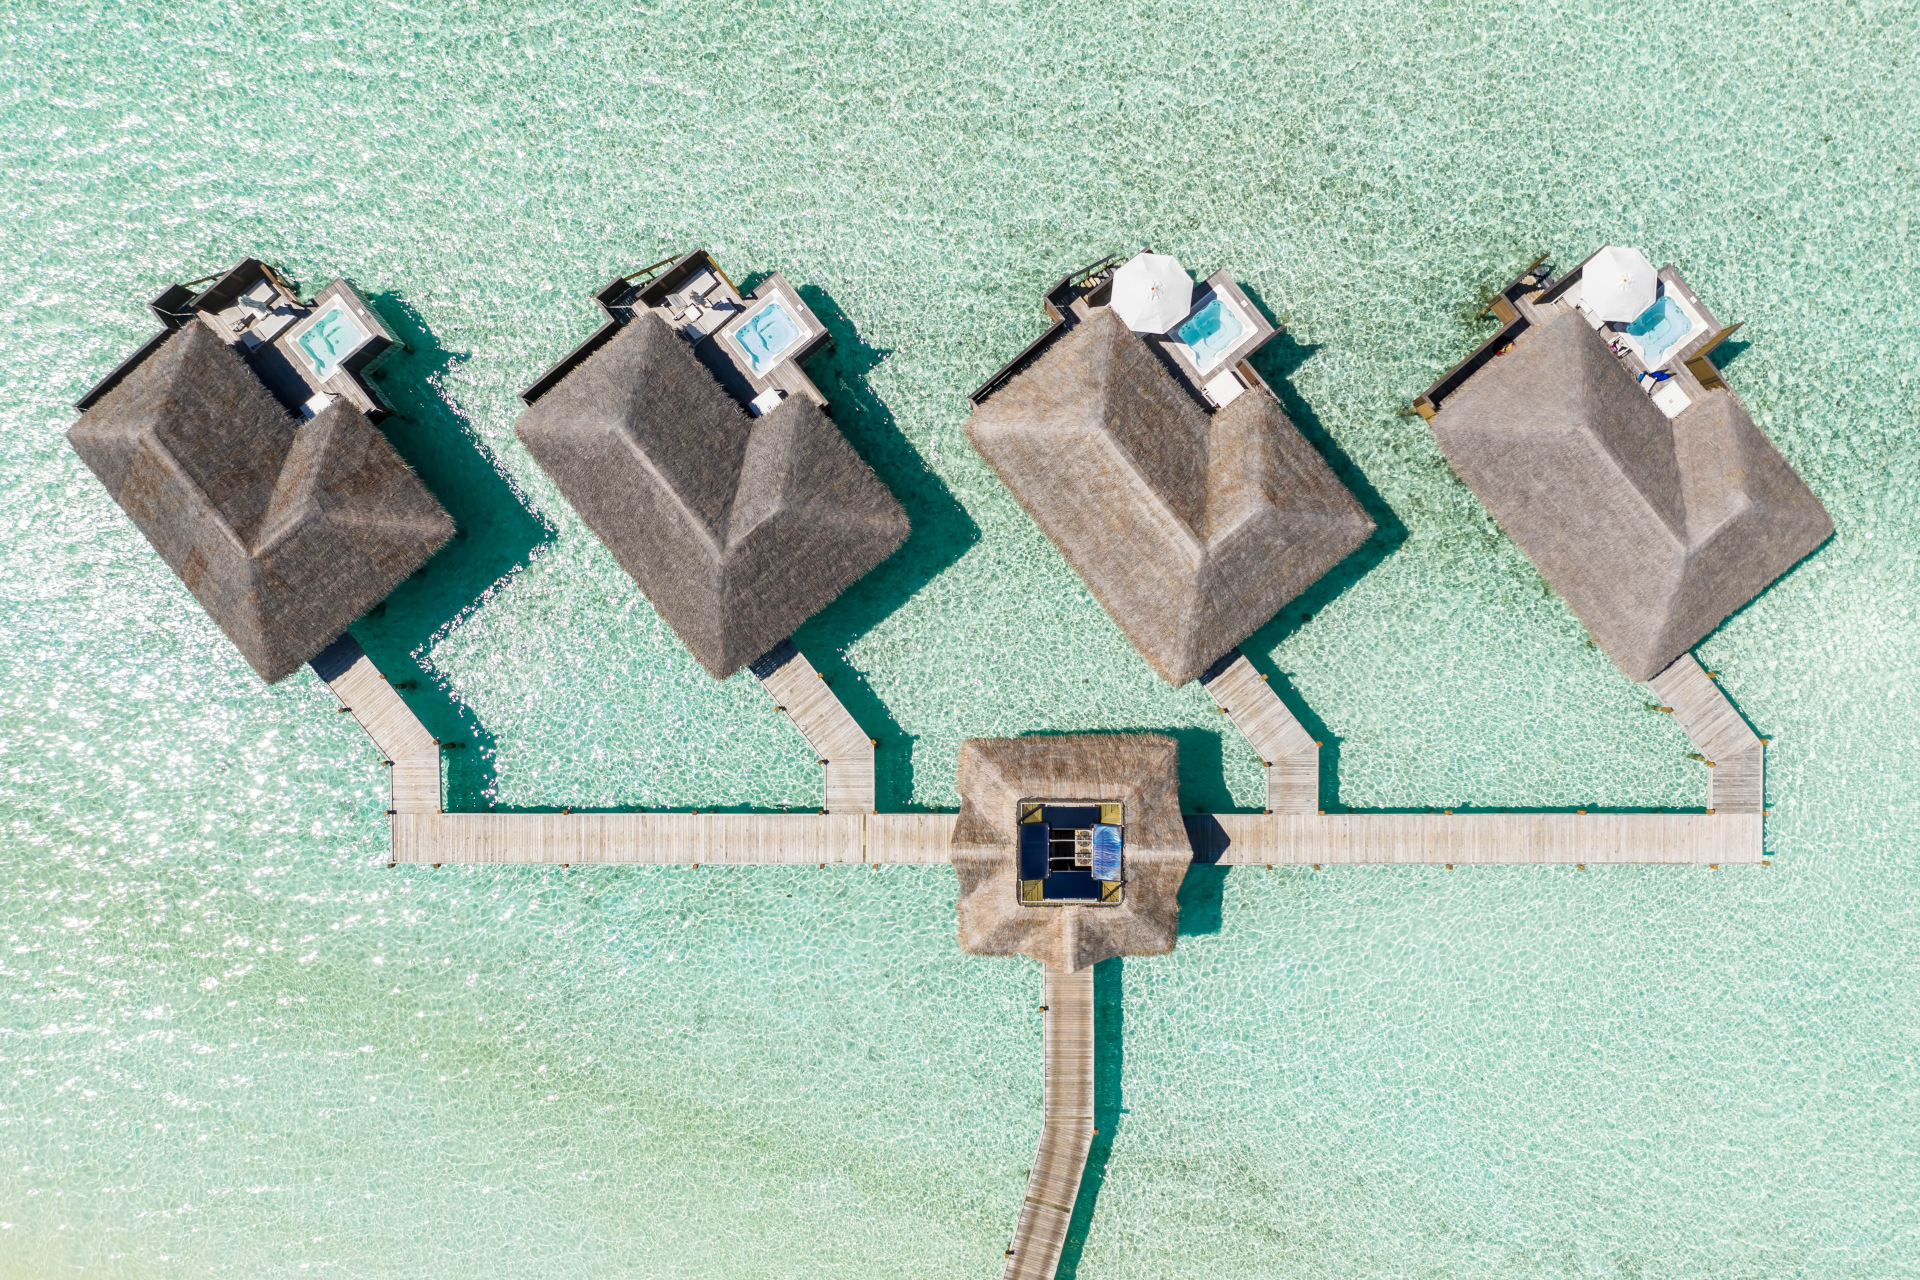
1291 756
409 750
1735 755
844 749
1066 1126
850 832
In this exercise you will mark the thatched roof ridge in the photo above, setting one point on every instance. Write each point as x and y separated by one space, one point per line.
285 531
736 529
1654 530
1191 529
1142 772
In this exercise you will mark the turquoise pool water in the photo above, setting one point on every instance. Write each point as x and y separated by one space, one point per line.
236 1045
328 339
766 336
1210 333
1659 329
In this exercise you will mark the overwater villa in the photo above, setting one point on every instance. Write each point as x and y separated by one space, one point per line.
688 437
1069 850
1142 441
1606 443
240 439
1608 446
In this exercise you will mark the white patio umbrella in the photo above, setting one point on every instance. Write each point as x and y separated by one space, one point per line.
1152 292
1618 284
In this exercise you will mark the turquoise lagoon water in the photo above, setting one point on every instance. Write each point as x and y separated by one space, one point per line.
234 1044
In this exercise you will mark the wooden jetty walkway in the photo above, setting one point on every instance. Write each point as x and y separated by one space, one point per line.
1229 839
844 749
851 833
410 751
1736 757
1466 839
1291 756
1066 1126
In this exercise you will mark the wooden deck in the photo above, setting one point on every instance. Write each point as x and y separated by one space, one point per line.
757 839
1066 1126
1291 756
1736 777
844 749
910 837
1239 839
404 742
851 835
1231 839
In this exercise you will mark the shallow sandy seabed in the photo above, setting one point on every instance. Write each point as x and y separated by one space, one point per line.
233 1045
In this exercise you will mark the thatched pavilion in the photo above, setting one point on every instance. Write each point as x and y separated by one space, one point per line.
1003 781
285 530
1654 528
1191 526
736 528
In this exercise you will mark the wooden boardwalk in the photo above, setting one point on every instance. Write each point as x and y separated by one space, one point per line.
1291 756
1066 1126
1240 839
1736 776
761 839
844 749
851 835
404 742
910 837
1231 839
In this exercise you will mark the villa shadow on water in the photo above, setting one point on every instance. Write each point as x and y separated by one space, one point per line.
941 533
1109 1057
496 533
1277 362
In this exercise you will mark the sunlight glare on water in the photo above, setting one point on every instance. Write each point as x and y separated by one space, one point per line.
234 1044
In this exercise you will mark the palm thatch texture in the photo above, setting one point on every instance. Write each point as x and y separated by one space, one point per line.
1191 528
1654 530
284 530
736 529
1140 772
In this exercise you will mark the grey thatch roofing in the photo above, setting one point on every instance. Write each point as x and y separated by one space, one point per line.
737 529
1653 530
285 531
1141 771
1191 529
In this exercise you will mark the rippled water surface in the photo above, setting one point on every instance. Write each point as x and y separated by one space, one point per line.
234 1044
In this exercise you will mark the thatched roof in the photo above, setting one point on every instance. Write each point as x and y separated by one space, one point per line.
737 529
1141 771
1191 529
1653 529
285 531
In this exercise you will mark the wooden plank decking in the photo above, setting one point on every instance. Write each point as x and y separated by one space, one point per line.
1066 1126
1737 773
1238 839
1230 839
844 749
403 741
910 837
421 833
1290 754
793 839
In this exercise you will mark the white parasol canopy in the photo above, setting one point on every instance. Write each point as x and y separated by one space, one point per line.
1617 284
1152 292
